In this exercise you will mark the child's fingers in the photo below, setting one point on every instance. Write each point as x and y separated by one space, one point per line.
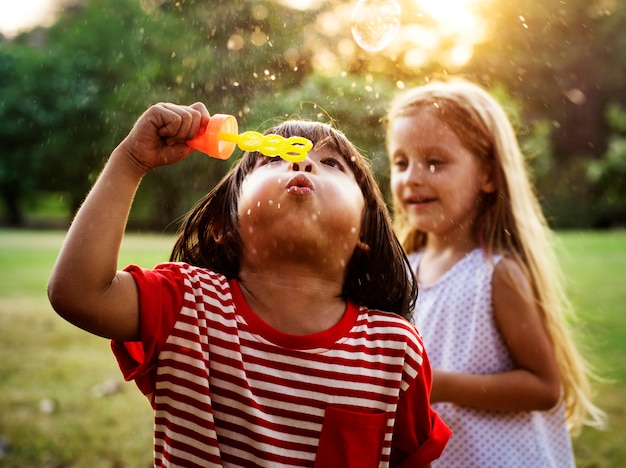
204 117
179 123
175 121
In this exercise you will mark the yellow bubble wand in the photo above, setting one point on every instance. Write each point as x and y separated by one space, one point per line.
220 137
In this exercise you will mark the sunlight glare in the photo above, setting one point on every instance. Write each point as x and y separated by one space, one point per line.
461 53
17 16
455 21
453 16
415 58
302 4
426 38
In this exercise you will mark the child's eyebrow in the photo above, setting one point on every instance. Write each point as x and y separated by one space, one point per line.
328 140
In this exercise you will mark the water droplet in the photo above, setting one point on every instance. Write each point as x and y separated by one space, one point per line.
375 23
431 168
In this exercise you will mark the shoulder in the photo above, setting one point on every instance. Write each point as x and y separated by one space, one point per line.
394 330
174 276
192 272
509 275
512 294
414 259
387 320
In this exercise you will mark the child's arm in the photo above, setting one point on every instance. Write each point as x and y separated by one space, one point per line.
85 287
535 383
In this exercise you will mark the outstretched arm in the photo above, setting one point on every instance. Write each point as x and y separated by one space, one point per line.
535 383
85 287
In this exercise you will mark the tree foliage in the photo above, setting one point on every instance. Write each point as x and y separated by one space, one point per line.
104 62
565 62
39 93
608 174
69 93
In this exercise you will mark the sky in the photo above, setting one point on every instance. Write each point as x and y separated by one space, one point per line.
18 15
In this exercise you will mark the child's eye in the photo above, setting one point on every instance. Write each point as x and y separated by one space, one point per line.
332 162
399 164
434 161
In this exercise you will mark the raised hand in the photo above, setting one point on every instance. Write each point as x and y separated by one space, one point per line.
158 138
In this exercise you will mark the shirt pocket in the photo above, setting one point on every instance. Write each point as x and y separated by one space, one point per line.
350 439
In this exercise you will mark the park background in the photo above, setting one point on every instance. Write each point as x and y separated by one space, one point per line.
71 89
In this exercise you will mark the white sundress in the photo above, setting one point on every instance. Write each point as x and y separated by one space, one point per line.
455 318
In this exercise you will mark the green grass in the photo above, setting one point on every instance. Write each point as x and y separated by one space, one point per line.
595 267
45 361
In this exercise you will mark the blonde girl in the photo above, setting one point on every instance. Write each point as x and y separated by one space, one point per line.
492 308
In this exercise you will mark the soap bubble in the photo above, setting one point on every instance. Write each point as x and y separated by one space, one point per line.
375 23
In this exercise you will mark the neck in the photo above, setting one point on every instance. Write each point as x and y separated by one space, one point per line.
450 243
293 300
440 254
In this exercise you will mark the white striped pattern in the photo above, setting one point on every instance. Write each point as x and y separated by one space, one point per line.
226 396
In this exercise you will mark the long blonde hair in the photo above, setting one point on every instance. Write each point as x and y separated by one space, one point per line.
511 222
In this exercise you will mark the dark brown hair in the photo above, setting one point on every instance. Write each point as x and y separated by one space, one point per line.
379 277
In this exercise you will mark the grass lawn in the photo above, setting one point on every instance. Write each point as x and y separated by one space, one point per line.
62 399
64 403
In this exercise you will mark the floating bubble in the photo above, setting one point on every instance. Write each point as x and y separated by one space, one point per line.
375 23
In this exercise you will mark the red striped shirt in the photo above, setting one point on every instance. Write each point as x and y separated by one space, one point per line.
230 390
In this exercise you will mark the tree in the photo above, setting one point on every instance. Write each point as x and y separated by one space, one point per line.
608 174
37 91
105 61
223 54
565 62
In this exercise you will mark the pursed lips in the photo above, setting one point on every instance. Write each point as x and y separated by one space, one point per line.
300 184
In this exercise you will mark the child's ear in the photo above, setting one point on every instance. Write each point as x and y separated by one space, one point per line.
488 181
218 232
488 186
362 246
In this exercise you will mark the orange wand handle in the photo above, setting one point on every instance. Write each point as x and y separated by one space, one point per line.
210 143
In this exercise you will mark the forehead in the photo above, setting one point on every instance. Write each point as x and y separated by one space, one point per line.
318 153
423 126
332 147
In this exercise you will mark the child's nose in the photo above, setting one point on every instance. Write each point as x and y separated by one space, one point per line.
417 171
304 166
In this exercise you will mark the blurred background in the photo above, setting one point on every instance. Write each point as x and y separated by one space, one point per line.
76 74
